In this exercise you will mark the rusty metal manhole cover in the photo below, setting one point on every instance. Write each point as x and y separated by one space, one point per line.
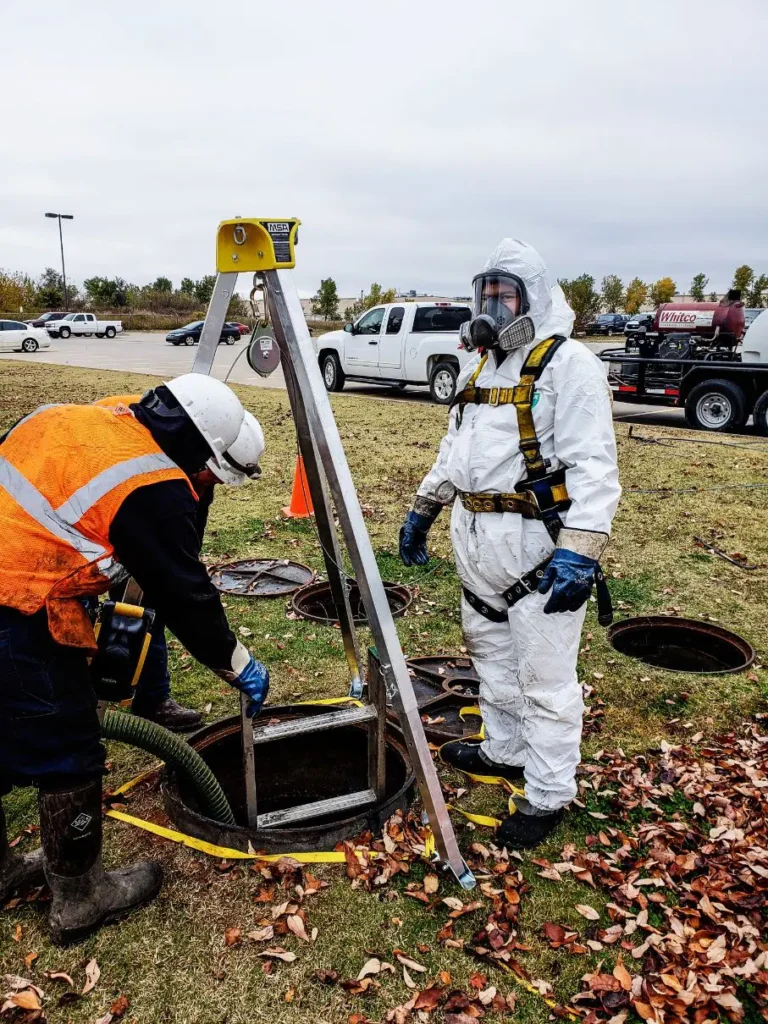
453 674
261 577
315 602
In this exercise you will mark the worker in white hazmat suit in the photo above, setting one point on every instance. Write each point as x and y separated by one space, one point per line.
529 465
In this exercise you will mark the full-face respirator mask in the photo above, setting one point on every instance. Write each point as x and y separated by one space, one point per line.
501 314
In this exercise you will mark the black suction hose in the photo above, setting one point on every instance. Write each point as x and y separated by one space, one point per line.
150 736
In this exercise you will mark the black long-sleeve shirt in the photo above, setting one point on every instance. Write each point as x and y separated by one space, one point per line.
157 534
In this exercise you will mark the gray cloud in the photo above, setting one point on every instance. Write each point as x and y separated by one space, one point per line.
616 137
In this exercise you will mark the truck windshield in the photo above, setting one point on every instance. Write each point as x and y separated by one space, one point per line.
440 318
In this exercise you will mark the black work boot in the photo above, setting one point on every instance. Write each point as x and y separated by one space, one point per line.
466 756
170 715
17 872
521 831
85 896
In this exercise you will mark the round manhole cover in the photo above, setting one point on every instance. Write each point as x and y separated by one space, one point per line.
316 603
681 645
261 577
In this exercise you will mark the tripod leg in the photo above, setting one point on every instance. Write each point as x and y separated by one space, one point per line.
223 291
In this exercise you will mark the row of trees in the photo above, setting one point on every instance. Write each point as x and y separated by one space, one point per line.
21 294
325 303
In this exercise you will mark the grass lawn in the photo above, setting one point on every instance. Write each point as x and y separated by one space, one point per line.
171 960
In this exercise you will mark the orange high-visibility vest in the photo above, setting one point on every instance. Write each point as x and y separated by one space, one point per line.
65 470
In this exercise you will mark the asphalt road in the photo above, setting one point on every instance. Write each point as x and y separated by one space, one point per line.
149 352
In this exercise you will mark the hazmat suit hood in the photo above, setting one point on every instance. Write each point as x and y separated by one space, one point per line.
548 307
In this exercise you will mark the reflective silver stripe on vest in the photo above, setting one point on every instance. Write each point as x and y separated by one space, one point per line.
35 505
86 496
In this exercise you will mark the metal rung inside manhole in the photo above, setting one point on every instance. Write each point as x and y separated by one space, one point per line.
316 603
681 645
261 577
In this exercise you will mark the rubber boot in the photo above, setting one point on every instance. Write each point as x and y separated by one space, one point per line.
466 756
522 831
85 896
170 715
17 872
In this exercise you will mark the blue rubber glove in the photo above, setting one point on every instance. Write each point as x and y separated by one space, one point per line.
253 681
570 577
413 539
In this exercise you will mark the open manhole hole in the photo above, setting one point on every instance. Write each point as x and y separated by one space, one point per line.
290 771
681 645
316 603
261 577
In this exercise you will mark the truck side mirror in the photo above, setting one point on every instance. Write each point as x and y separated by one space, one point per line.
349 328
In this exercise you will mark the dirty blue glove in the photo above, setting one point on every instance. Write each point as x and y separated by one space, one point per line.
253 681
413 539
570 577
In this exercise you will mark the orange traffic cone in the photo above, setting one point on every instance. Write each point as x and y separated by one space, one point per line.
301 499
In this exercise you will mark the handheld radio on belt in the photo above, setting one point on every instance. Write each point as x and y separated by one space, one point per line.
123 638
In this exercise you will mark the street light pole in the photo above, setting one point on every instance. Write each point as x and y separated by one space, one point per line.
63 216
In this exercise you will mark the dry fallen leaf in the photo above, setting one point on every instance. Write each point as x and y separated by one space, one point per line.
288 997
92 975
372 966
296 925
26 1000
17 933
431 884
59 976
120 1005
264 934
622 975
278 953
407 962
408 979
233 936
586 911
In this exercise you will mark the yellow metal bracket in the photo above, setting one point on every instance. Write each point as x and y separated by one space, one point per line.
249 245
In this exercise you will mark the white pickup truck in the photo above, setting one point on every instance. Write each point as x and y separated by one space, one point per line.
398 344
84 324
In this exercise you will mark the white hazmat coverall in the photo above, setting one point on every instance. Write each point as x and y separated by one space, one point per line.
529 693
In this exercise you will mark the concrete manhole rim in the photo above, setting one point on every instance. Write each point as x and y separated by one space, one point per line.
694 626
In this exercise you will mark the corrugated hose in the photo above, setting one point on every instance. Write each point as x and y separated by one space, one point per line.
153 738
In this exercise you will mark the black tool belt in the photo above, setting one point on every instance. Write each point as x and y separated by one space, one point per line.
528 583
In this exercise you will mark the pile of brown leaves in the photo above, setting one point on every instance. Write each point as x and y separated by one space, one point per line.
689 898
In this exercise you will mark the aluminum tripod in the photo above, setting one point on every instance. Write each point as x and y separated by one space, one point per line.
265 247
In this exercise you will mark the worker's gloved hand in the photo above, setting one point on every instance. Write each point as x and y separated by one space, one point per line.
413 539
570 577
253 681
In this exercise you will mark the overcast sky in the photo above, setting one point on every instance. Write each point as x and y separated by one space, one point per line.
615 136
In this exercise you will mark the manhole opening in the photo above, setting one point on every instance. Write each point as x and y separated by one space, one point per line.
261 577
289 772
681 645
316 603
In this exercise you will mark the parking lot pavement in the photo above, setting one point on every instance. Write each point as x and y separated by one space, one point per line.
149 352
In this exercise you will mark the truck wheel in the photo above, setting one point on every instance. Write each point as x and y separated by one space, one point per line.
760 414
64 332
110 332
442 383
333 375
29 345
717 406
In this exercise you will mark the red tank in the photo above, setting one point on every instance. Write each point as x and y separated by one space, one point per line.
719 323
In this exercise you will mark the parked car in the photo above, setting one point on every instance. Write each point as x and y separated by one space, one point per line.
46 318
190 334
84 324
398 344
18 337
243 328
608 324
750 315
639 324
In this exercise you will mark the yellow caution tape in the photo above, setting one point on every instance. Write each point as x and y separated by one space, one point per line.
328 701
224 852
524 983
127 786
473 710
483 819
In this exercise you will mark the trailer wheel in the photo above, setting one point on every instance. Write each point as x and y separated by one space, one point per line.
760 414
717 406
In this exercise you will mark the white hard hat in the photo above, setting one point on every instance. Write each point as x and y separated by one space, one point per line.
241 460
213 407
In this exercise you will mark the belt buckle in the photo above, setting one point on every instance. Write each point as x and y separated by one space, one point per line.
530 496
493 398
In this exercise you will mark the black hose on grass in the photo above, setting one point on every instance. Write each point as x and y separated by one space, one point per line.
153 738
